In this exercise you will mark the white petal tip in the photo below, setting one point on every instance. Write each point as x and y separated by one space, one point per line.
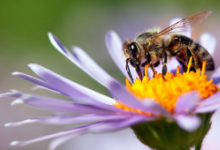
31 65
111 32
50 35
15 143
15 73
10 124
188 123
35 67
17 101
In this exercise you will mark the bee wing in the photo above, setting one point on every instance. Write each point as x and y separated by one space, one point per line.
185 24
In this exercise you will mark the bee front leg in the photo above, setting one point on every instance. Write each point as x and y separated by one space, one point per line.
128 70
138 70
164 62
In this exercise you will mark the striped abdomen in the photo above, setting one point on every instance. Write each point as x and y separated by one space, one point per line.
195 50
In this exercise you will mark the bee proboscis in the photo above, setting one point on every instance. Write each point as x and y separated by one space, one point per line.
151 46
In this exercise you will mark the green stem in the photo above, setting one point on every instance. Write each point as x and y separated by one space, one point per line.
198 146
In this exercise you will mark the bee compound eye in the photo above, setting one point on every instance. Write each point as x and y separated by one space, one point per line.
133 47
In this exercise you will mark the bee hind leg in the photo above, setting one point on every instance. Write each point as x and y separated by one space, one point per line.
189 54
164 62
184 66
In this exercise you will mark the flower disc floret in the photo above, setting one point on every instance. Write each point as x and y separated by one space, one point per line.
166 92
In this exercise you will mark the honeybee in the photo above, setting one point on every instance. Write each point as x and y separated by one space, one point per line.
150 47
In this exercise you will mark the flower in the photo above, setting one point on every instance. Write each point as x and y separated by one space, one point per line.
188 116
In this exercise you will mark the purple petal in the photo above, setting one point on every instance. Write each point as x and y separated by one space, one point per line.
208 41
150 73
57 105
38 87
92 68
116 89
114 45
116 125
69 87
216 76
187 33
210 104
61 120
155 108
12 93
186 103
14 124
95 71
33 80
172 65
75 131
58 45
58 141
120 93
210 108
188 123
82 119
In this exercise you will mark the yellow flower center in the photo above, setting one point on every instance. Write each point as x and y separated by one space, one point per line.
166 92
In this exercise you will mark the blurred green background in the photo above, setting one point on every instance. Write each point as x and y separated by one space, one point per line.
23 39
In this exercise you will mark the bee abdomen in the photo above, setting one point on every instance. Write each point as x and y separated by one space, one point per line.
203 55
185 40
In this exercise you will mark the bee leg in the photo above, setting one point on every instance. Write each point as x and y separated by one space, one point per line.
138 70
148 61
192 69
152 68
128 71
164 62
156 63
175 52
184 66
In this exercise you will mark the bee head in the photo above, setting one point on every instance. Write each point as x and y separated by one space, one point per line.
132 51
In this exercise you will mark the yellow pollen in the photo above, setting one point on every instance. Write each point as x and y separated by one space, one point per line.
166 93
189 64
